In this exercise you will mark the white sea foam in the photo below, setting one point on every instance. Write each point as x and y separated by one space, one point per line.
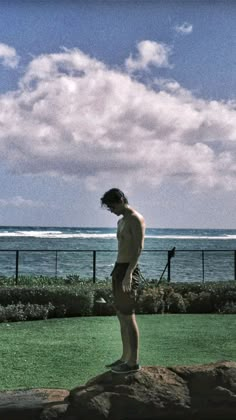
95 234
190 237
57 234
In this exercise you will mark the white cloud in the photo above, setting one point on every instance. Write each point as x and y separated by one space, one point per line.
184 29
149 53
8 56
74 117
19 202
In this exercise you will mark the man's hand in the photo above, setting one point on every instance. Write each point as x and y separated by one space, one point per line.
126 282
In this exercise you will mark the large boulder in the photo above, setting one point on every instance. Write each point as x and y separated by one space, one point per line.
29 404
201 392
184 392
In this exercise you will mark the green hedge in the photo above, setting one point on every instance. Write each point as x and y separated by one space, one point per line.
21 312
80 298
67 301
210 297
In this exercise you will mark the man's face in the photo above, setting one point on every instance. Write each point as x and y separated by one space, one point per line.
115 208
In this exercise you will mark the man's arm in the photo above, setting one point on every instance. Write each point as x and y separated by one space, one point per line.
137 228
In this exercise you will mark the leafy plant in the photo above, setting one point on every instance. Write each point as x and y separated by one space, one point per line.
21 312
151 300
228 308
175 303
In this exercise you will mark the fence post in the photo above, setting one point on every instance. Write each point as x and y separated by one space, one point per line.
56 266
168 275
234 265
17 266
203 267
169 260
171 254
94 266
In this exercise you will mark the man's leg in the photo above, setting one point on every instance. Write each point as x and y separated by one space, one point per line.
130 338
126 350
124 337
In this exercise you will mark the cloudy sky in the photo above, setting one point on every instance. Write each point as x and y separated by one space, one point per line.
139 95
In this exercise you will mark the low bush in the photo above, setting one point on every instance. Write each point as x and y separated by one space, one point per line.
21 312
103 291
84 298
199 302
228 308
34 311
40 280
174 302
205 297
69 301
151 301
15 312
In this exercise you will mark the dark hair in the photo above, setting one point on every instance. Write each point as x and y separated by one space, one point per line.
114 195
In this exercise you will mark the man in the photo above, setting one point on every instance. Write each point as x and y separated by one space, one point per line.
125 276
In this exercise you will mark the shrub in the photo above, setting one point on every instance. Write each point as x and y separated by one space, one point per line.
59 311
175 303
105 292
205 302
191 302
228 308
72 279
151 301
78 297
73 301
34 311
15 312
77 301
7 281
230 295
2 314
21 312
41 280
199 303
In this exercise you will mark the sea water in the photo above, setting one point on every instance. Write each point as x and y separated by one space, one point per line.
201 254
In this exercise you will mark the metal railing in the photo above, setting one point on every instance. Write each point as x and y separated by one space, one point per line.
170 255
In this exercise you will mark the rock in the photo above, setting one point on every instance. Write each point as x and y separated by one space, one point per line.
29 404
55 412
184 392
201 392
212 389
136 396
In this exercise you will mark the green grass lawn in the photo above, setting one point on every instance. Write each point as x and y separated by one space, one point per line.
64 353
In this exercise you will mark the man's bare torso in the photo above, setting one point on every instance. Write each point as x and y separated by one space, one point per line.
126 235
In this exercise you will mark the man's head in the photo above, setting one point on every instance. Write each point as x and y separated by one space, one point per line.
115 201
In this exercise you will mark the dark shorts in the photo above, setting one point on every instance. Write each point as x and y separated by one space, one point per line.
124 302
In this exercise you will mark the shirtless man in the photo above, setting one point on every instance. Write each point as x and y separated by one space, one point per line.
125 276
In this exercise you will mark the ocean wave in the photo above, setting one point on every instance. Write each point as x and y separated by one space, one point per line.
190 237
96 234
57 235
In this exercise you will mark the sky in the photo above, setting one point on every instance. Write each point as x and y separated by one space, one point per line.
137 95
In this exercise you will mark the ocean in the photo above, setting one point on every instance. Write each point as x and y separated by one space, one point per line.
200 255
